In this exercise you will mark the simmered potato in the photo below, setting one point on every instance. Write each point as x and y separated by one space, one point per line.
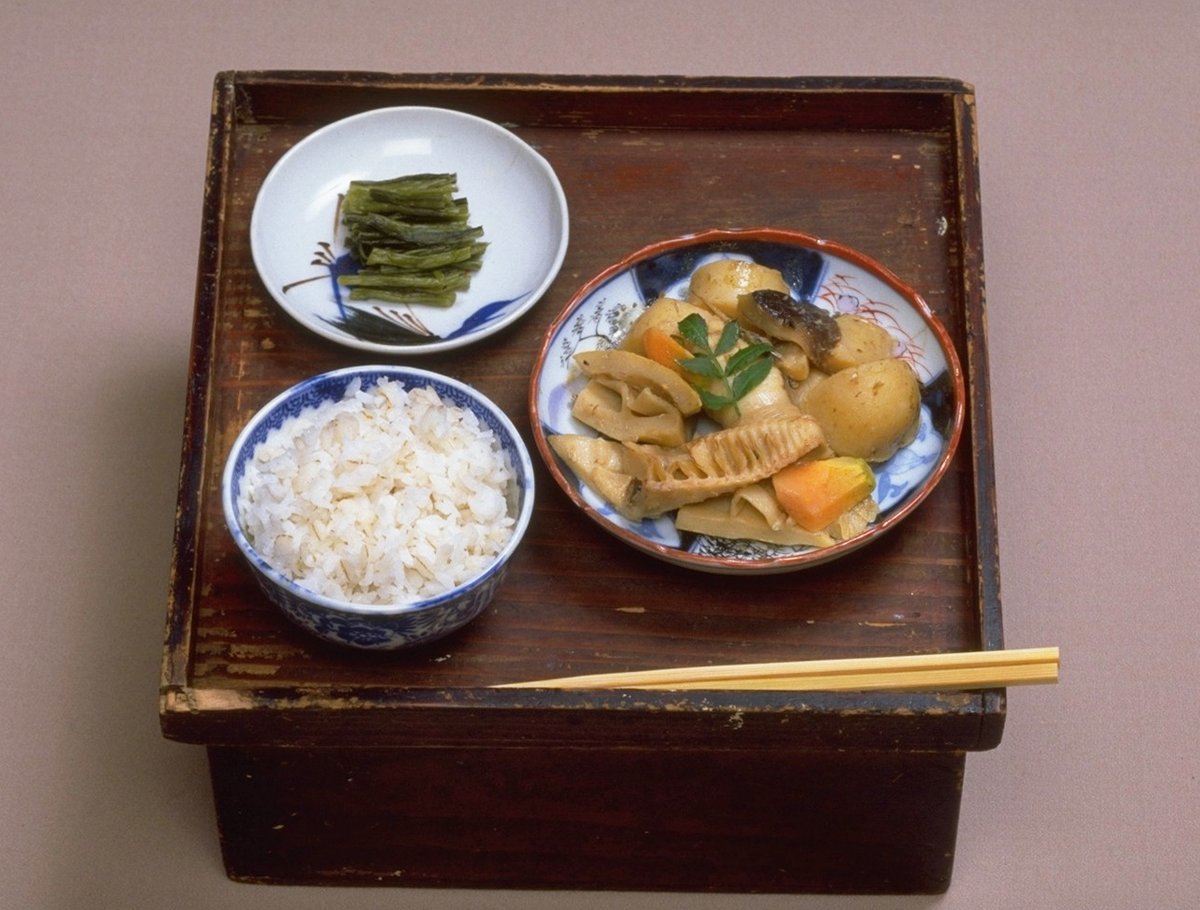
799 390
717 285
861 342
868 411
664 313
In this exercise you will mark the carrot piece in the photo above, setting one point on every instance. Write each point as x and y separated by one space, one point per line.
815 493
661 347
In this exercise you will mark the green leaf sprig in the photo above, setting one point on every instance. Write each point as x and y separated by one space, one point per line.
731 379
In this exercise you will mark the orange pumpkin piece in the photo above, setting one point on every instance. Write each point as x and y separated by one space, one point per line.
662 348
815 493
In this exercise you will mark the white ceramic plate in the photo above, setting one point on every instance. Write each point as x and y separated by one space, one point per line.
830 275
512 191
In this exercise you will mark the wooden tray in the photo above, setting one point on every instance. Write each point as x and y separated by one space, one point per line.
888 166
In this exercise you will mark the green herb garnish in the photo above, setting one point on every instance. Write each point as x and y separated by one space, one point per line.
732 379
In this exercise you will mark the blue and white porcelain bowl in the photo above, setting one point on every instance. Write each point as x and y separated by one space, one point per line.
513 193
828 274
371 626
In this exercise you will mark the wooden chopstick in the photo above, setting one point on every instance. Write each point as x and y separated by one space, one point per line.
955 670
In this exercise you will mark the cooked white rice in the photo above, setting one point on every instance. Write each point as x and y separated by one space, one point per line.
388 496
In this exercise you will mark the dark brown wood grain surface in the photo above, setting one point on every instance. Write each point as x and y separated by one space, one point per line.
886 166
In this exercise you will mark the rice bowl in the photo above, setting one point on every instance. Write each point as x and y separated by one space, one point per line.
386 496
378 506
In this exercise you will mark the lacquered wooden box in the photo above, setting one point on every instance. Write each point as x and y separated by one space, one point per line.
337 767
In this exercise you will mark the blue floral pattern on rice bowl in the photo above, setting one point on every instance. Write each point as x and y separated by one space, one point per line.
368 626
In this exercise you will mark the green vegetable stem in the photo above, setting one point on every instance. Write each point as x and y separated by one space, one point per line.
412 238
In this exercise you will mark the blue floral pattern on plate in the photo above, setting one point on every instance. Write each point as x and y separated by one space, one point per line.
393 325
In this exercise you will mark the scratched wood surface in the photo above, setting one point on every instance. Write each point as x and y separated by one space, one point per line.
886 166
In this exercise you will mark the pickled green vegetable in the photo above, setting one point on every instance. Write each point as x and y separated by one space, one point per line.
412 238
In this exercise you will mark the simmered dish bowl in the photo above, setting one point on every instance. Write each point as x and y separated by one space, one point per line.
747 401
378 506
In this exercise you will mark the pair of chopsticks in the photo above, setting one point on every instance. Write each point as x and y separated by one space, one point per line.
908 672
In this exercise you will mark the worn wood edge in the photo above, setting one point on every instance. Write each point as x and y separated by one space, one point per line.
542 81
177 634
321 716
972 275
536 100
